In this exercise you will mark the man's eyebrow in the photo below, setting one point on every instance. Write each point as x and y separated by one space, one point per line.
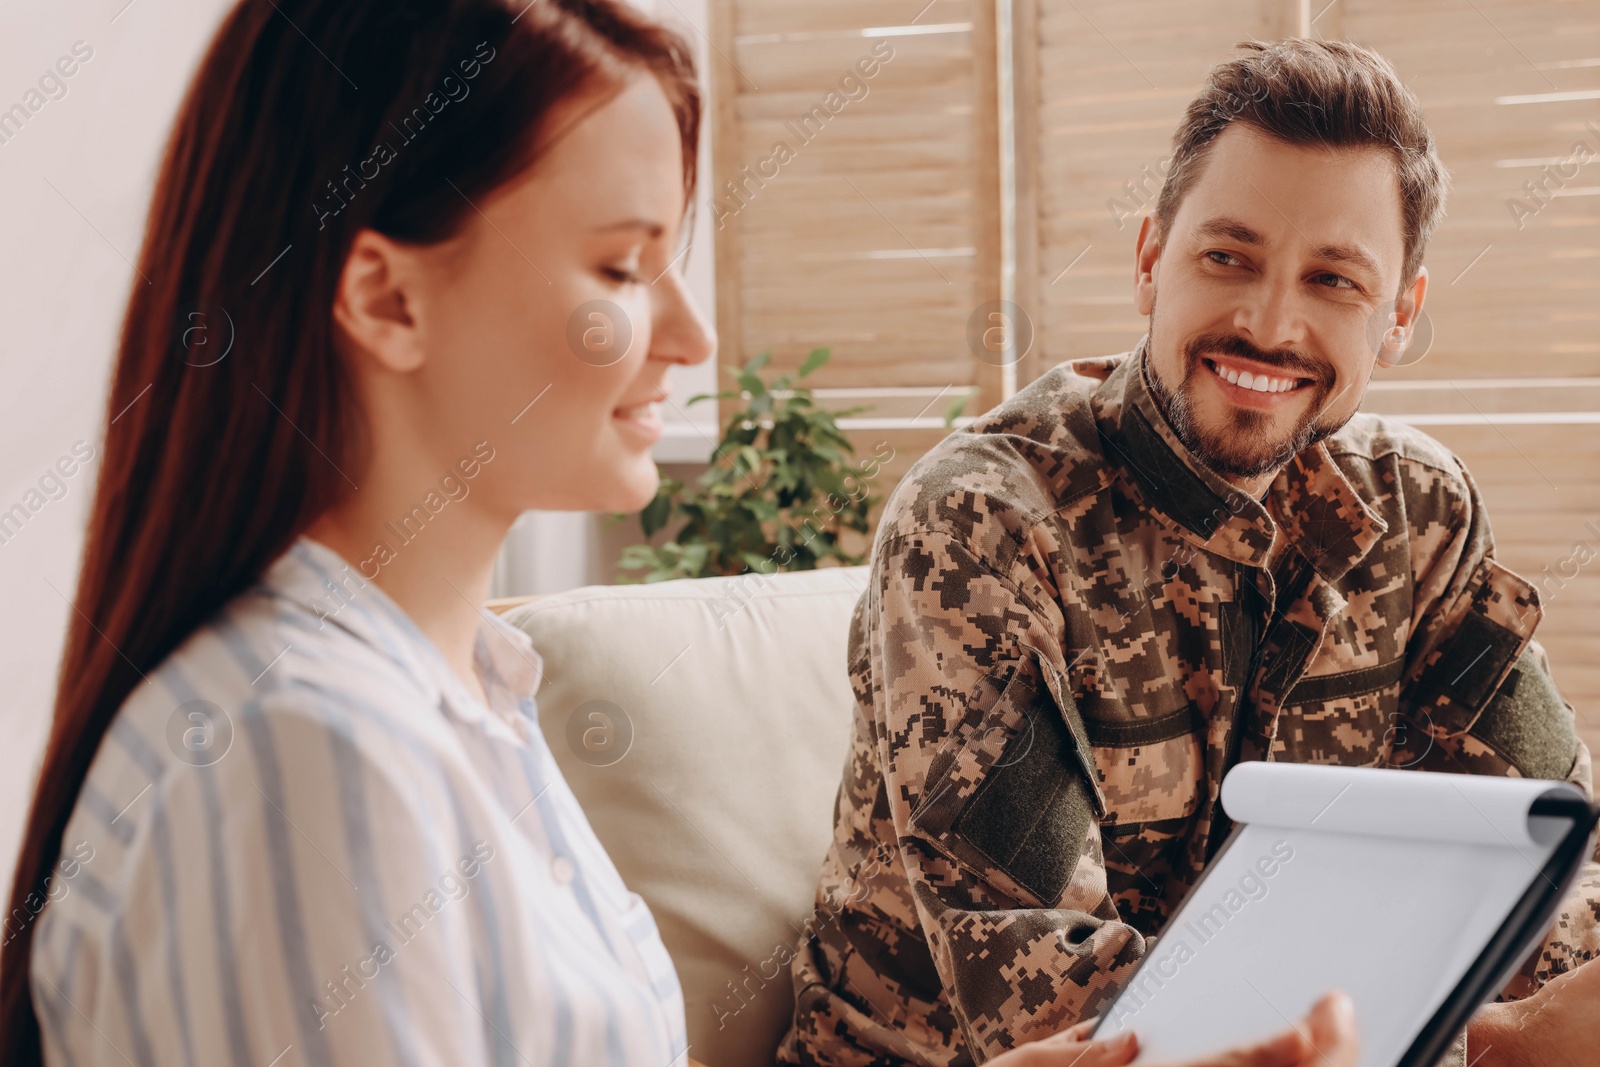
1233 229
1348 254
652 228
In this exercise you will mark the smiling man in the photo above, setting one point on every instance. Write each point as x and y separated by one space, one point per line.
1146 568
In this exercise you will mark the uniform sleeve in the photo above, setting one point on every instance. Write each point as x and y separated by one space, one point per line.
307 891
1480 693
991 794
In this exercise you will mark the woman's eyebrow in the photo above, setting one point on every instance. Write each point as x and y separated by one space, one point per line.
652 228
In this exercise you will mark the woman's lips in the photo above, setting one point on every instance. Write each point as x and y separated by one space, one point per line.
642 420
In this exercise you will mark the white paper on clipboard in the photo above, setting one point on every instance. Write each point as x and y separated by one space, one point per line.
1387 884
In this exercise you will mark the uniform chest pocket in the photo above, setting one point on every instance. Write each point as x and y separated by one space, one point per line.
1150 770
1351 718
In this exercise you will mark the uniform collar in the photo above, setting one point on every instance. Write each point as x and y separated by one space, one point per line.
315 581
1317 509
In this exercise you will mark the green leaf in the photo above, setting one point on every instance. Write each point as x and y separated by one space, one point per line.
757 562
953 412
751 384
656 514
816 359
764 510
698 397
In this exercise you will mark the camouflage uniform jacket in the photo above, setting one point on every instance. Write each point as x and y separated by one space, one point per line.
1071 631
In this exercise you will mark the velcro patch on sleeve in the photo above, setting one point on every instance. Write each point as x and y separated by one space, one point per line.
1030 815
1529 724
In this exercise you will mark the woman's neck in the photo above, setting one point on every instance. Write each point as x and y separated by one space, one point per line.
436 565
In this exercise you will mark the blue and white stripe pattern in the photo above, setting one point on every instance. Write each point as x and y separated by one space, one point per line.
304 842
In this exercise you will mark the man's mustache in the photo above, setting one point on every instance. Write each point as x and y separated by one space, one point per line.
1238 347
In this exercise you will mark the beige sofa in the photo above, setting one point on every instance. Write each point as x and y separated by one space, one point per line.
703 725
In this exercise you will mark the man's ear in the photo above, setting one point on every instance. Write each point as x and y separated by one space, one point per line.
375 303
1407 310
1146 258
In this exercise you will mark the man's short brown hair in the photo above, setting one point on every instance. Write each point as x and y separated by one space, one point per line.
1310 92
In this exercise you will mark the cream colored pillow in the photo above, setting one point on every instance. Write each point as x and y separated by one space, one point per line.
719 808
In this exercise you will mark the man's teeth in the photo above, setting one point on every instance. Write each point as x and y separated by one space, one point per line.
1261 383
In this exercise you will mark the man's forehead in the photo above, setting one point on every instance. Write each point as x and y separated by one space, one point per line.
1342 205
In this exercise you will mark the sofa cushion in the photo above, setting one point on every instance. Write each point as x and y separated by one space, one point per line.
704 725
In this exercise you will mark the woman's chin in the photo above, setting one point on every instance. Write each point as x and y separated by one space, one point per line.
623 485
632 487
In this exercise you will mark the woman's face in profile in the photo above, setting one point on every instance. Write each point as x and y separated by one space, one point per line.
548 325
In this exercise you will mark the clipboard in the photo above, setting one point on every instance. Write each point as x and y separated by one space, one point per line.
1417 893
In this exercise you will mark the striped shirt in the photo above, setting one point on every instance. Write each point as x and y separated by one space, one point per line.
304 841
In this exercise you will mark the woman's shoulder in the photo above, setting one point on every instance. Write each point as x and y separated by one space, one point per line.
278 759
264 659
263 702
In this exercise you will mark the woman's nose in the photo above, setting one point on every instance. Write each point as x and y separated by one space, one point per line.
681 333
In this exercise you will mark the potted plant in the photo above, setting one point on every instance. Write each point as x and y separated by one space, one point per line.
780 493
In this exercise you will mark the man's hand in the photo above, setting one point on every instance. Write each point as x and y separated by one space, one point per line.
1327 1038
1557 1024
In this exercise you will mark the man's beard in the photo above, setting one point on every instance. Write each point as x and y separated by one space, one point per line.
1240 449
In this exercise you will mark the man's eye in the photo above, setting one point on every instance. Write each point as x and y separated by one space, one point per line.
1223 256
1340 281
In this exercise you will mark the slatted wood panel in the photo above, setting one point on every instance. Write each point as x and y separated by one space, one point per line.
1534 296
880 235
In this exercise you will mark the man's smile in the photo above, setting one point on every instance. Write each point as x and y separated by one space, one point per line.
1252 385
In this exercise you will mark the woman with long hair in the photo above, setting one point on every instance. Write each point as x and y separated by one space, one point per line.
411 269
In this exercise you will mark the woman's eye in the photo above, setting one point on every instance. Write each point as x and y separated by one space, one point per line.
621 275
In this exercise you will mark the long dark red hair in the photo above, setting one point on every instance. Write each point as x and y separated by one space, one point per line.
212 467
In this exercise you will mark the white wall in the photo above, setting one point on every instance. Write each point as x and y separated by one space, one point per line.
75 183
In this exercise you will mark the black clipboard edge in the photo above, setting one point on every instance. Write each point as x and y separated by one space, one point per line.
1524 927
1521 933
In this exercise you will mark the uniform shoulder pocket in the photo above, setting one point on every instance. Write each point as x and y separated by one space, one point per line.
1457 679
1027 809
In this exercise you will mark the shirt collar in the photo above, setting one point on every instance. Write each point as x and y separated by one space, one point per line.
318 582
1317 509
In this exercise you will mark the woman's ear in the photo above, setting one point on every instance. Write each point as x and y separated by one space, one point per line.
375 304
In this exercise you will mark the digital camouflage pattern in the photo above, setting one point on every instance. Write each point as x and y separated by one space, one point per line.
1072 629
